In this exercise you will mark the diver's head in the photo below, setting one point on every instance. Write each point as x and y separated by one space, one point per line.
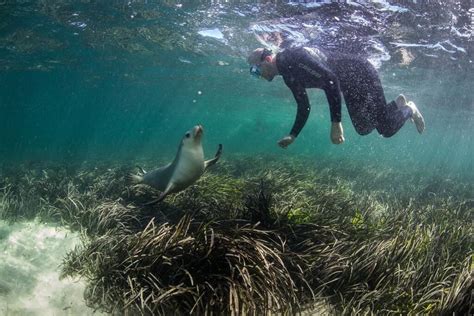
263 64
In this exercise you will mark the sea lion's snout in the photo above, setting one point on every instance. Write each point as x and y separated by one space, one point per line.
198 130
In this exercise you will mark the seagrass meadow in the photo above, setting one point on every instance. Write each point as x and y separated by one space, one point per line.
257 235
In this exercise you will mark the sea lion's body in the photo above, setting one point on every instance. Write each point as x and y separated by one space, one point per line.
186 168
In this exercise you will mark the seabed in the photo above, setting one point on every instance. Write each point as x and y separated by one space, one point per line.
259 236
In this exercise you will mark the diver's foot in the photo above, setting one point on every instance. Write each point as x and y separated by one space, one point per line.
401 101
417 118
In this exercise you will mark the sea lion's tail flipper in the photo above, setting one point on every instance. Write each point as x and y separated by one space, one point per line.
137 178
212 161
134 179
143 171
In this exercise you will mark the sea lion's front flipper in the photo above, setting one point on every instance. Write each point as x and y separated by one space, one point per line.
162 195
212 161
159 199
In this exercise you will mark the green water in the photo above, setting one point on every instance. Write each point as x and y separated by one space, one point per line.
70 115
124 81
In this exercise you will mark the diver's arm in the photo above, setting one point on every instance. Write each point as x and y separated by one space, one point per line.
333 94
302 111
330 85
302 114
317 67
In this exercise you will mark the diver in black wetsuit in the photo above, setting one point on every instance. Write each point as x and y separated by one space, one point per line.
355 77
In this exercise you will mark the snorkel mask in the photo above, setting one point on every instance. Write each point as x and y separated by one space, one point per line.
255 69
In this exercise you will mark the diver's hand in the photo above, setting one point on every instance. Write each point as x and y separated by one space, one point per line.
285 141
337 133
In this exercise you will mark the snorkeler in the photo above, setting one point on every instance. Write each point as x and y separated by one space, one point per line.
305 67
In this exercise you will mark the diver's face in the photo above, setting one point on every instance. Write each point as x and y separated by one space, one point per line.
263 70
261 66
266 69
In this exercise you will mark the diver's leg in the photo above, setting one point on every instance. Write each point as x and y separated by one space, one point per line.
394 115
391 119
417 118
361 114
359 83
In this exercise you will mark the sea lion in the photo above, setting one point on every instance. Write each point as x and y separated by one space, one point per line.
186 168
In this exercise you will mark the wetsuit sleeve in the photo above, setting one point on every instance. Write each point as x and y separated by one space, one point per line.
303 109
333 94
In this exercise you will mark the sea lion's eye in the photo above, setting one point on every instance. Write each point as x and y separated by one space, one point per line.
187 135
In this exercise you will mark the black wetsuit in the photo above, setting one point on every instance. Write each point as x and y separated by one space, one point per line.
354 76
